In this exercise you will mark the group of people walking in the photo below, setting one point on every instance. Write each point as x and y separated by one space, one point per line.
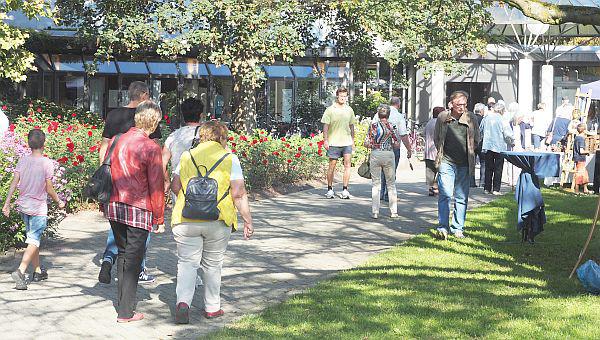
140 182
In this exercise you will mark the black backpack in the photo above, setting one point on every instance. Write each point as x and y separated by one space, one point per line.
201 202
99 186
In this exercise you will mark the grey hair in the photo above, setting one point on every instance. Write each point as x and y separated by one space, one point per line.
136 90
394 101
383 111
499 108
479 107
541 106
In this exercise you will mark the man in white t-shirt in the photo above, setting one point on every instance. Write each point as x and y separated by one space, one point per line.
399 120
3 123
181 139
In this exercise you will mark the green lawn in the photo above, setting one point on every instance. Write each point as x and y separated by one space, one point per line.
488 285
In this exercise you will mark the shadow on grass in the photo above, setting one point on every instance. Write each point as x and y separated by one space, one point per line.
488 285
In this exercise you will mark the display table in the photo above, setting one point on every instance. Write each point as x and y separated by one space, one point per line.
531 215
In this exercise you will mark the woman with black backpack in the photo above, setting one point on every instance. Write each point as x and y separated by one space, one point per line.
210 186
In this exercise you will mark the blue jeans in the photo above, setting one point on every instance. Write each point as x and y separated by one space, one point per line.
384 193
111 251
34 228
453 181
537 140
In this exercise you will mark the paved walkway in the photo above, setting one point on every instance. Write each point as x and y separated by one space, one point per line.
300 239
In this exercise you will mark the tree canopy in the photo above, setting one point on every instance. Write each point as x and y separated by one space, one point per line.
555 14
15 60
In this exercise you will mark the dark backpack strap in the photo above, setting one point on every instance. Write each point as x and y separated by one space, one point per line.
110 151
197 167
224 195
195 136
216 164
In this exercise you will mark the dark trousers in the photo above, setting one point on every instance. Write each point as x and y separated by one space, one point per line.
384 193
494 162
481 157
131 243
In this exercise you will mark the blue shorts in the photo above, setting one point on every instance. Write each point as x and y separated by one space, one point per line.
34 226
336 152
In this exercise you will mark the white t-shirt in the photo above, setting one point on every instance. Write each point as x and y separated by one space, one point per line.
541 122
3 123
396 118
236 169
178 142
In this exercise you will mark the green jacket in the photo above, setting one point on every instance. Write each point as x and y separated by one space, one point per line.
441 128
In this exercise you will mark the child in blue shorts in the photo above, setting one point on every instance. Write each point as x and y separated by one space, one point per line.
33 178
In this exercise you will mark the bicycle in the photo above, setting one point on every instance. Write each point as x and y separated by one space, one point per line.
417 141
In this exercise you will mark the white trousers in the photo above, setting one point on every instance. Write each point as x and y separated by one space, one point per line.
383 161
201 245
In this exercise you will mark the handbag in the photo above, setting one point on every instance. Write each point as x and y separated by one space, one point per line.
99 186
364 170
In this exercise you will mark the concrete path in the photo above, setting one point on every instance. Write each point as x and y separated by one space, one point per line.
300 239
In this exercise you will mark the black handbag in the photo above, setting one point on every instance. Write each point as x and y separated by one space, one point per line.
201 202
99 186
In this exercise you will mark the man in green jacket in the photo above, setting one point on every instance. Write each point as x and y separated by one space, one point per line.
456 136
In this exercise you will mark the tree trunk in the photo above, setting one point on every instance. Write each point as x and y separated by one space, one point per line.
243 100
552 14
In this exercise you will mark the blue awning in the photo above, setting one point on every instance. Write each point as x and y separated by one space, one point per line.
305 72
219 71
161 68
67 63
104 67
132 67
278 71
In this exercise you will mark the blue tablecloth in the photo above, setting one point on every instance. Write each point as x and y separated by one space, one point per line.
528 195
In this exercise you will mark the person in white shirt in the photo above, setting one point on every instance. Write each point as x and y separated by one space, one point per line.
541 120
3 123
399 120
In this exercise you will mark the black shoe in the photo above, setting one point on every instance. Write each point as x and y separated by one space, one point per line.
104 276
37 277
19 279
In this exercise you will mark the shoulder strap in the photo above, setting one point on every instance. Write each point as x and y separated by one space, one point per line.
216 164
224 195
196 165
110 151
195 136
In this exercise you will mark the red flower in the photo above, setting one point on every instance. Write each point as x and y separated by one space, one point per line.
287 145
233 150
93 148
310 144
298 155
233 145
283 139
70 128
289 161
30 119
262 132
71 147
265 162
299 148
59 116
244 138
4 107
37 127
244 155
90 133
312 135
62 160
320 152
75 164
68 139
275 153
11 127
166 117
230 139
39 109
94 127
254 141
73 114
80 158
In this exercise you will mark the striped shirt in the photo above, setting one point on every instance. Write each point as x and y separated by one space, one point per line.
381 135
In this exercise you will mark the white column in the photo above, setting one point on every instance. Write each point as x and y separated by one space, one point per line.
525 94
438 89
547 91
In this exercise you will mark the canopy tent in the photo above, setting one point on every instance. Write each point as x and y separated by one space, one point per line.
594 87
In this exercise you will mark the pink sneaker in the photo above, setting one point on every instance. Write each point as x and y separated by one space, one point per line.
212 315
136 317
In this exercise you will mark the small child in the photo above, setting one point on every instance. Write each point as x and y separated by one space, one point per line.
581 177
33 176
